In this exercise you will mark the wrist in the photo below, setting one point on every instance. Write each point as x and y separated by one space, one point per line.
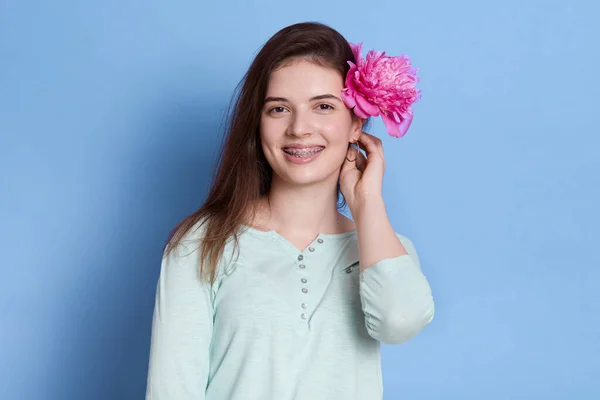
368 207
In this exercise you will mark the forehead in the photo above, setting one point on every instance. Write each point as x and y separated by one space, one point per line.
303 78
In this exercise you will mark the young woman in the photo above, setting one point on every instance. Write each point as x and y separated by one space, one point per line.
268 291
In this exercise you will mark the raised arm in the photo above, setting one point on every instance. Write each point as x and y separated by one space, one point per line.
396 297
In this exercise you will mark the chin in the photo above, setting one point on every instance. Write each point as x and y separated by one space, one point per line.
305 181
309 175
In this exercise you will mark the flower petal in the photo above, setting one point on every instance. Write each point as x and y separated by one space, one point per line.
397 129
348 97
405 124
360 112
356 50
391 126
368 107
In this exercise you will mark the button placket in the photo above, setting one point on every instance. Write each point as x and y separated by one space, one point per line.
304 279
304 289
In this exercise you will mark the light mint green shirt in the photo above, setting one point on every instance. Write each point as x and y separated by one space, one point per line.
280 324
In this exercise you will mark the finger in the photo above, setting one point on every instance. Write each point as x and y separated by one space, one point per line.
378 143
371 145
369 142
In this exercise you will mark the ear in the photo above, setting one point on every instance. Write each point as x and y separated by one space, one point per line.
356 128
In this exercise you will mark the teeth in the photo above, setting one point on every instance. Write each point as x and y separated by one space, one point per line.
302 152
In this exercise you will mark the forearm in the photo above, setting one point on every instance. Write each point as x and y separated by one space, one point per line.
377 239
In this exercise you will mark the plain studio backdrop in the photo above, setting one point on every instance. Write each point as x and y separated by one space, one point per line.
110 119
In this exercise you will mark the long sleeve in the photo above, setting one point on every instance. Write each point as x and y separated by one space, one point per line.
181 330
396 297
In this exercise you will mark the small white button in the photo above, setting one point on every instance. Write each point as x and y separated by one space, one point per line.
300 257
304 290
302 266
303 280
311 249
304 306
320 240
303 316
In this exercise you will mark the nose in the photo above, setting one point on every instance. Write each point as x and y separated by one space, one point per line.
300 124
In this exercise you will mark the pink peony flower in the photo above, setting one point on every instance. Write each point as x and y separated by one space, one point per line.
382 85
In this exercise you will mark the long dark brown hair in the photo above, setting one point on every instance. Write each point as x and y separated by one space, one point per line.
243 174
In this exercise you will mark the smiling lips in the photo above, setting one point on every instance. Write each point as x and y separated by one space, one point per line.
302 154
303 151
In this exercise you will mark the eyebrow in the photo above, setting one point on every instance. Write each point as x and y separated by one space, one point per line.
319 97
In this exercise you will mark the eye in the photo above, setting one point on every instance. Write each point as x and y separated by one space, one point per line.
325 107
277 110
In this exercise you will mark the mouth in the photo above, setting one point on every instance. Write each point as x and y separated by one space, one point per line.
302 155
303 152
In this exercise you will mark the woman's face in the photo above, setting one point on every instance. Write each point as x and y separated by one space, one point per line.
305 126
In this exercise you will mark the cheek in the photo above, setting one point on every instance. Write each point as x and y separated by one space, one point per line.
337 134
268 134
338 130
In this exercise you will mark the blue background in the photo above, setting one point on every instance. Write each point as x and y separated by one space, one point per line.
110 118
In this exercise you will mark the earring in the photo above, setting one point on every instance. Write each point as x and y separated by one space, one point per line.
352 143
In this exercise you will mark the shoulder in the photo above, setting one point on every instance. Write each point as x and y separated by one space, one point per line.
187 250
184 245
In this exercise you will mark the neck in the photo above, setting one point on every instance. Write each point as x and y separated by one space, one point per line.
302 210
